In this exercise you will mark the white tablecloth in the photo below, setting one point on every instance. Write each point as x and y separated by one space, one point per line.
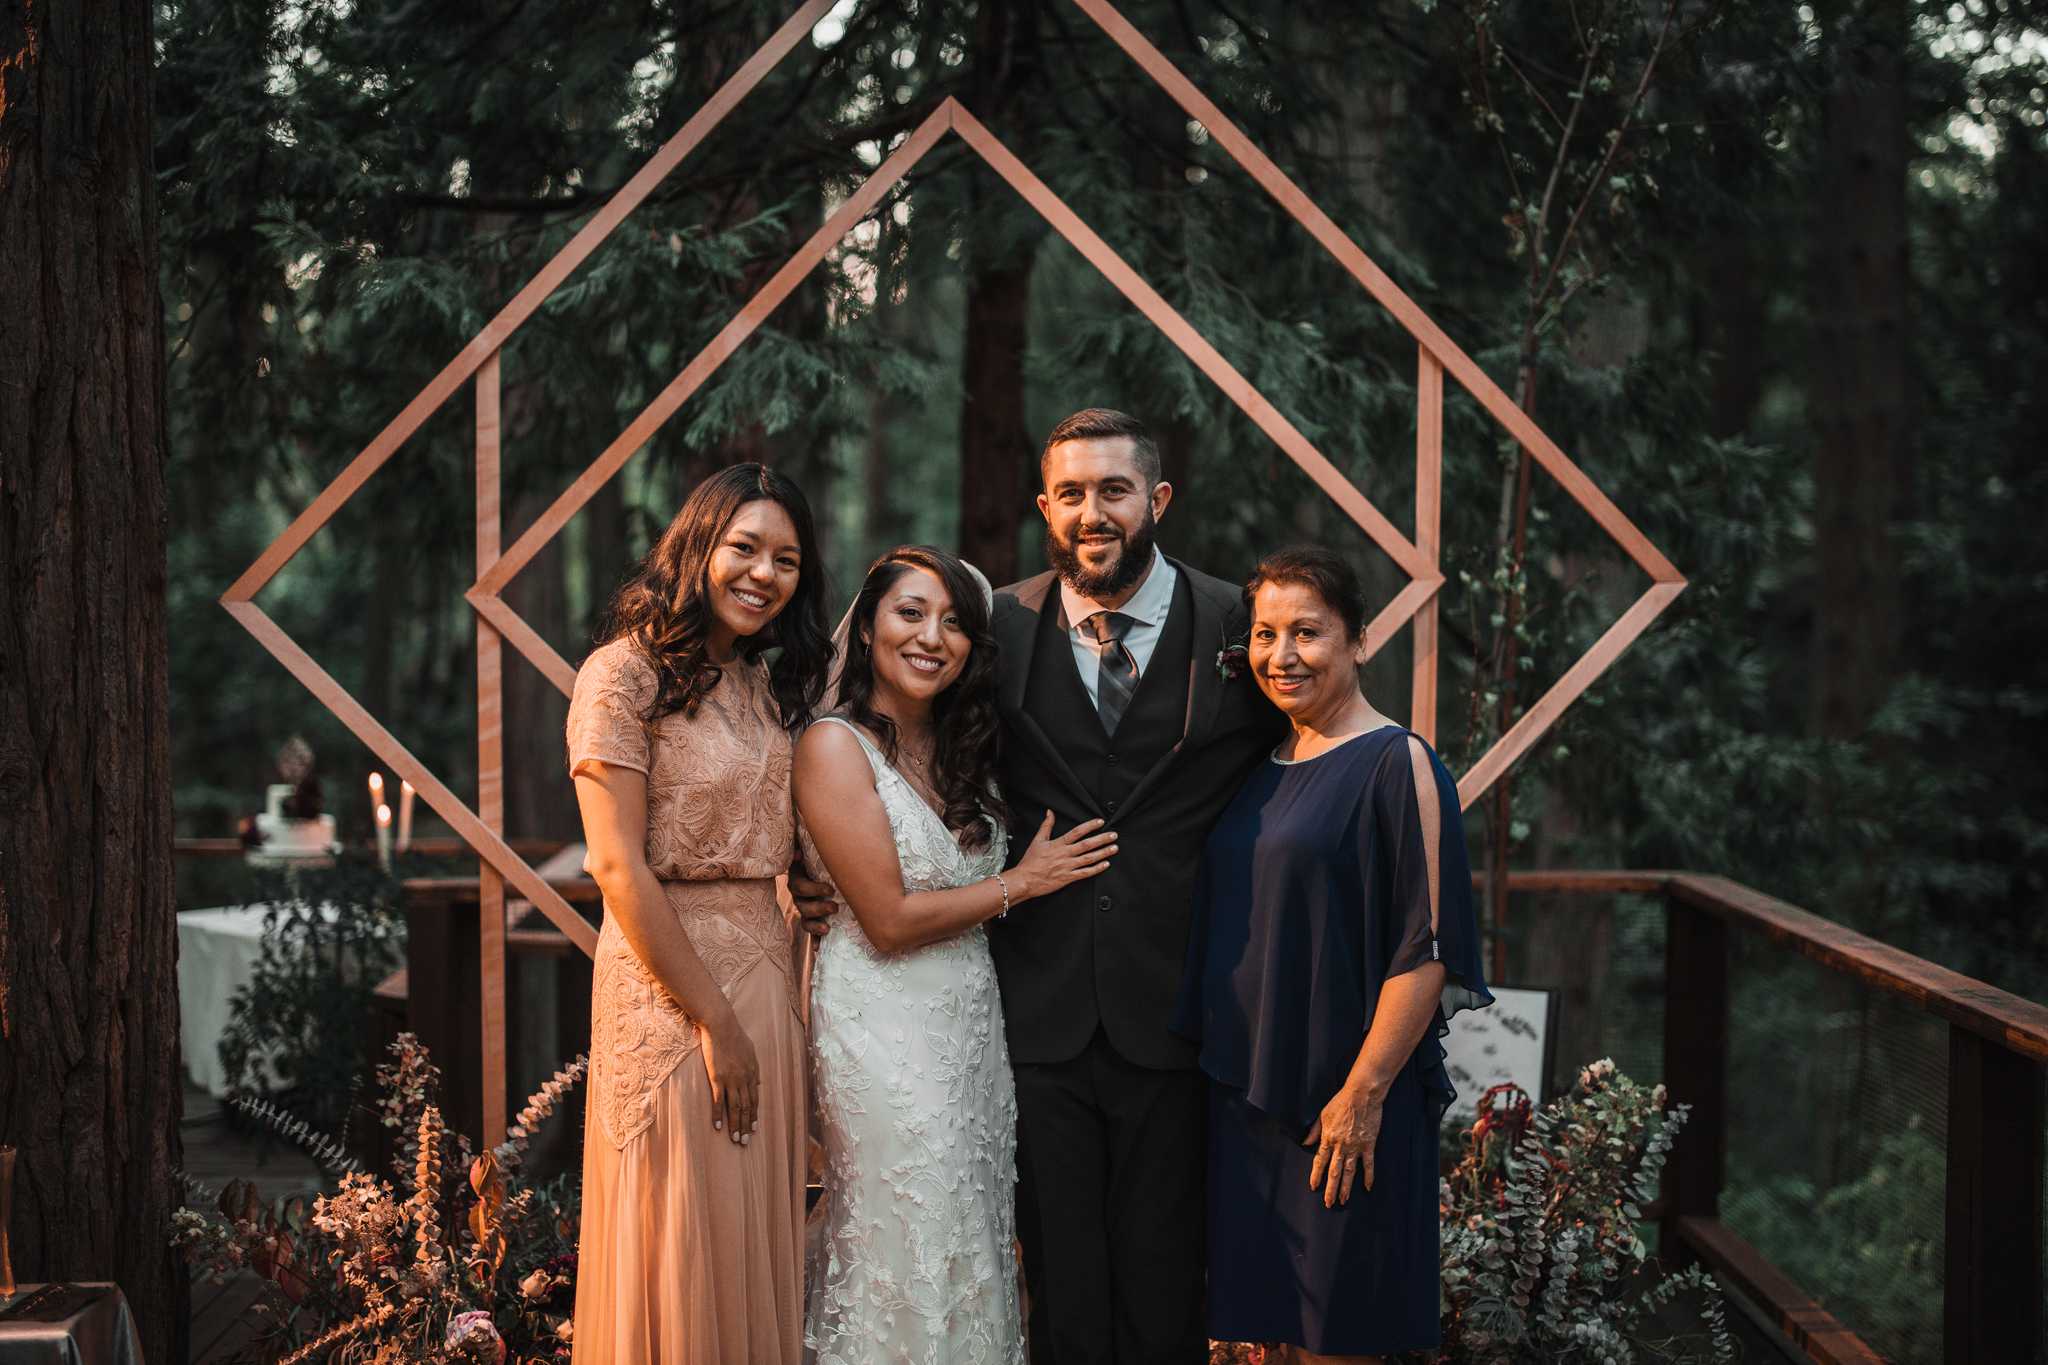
217 951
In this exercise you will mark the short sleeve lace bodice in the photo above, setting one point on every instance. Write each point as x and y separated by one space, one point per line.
718 796
720 827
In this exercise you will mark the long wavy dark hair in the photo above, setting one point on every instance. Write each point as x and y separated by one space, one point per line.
963 716
662 607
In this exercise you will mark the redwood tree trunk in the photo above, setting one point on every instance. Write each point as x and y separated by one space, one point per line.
994 443
996 448
88 946
1860 381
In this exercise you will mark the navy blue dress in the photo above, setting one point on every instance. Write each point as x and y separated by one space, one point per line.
1314 892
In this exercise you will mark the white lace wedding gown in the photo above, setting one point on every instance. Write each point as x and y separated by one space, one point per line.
911 1261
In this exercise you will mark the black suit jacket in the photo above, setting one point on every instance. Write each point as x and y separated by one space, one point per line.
1109 950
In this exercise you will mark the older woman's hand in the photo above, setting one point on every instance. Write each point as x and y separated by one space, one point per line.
1344 1138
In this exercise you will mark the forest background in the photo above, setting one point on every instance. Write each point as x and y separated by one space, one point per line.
1772 273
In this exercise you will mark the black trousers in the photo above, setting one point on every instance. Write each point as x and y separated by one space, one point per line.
1111 1173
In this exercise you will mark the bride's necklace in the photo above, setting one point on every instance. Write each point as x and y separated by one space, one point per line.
916 768
918 756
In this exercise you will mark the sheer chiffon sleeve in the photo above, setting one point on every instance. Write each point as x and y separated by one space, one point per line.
1430 917
608 711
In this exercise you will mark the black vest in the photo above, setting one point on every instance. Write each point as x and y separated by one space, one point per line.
1110 766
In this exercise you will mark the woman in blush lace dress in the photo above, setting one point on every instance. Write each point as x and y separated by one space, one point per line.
693 1163
911 1074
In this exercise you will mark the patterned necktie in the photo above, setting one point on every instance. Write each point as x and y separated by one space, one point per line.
1116 677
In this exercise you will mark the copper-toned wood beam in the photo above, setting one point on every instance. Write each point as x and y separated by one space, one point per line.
1418 596
1192 344
1406 311
524 639
716 352
1429 494
1540 717
490 761
432 790
1741 1267
2006 1019
500 328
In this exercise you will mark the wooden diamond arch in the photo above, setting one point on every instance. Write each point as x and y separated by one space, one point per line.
483 827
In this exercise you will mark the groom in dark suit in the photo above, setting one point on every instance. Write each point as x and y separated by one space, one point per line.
1115 704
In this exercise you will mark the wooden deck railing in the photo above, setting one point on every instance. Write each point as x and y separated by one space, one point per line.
1998 1047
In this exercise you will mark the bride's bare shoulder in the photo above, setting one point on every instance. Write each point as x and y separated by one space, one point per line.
830 745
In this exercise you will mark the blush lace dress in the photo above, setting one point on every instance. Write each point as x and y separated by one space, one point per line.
911 1259
692 1246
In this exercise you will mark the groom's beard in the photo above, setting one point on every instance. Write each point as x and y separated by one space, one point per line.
1134 556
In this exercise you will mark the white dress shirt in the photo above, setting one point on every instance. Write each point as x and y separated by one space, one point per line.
1147 609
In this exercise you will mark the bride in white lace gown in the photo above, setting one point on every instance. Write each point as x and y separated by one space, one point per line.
912 1260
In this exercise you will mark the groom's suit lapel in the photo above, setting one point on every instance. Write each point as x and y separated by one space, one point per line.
1017 635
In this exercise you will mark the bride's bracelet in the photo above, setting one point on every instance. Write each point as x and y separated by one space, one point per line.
1003 913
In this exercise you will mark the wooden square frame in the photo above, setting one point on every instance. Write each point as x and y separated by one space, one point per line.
498 624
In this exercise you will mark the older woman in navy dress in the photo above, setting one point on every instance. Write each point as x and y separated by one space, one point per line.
1334 935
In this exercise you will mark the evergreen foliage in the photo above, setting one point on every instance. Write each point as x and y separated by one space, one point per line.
350 189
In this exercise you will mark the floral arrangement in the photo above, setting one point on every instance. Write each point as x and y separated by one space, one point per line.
1542 1258
420 1267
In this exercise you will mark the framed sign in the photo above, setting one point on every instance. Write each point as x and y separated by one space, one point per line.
1514 1041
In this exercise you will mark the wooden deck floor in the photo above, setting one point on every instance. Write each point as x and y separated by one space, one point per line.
222 1314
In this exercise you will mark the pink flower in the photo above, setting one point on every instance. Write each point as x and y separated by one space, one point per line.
475 1328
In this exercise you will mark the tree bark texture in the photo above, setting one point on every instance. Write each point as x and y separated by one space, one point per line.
996 448
89 1087
1860 383
1732 301
994 442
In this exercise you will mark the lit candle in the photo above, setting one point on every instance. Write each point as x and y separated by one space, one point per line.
376 791
405 795
384 837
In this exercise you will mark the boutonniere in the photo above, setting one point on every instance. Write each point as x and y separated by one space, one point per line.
1231 659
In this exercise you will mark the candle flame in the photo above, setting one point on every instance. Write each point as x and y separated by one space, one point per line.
383 815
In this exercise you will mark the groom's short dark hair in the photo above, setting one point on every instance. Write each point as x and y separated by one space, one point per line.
1095 424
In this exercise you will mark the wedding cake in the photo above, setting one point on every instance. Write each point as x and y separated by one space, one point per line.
291 831
285 839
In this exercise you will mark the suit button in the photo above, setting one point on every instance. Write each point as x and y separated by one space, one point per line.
1102 903
1112 760
1109 806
